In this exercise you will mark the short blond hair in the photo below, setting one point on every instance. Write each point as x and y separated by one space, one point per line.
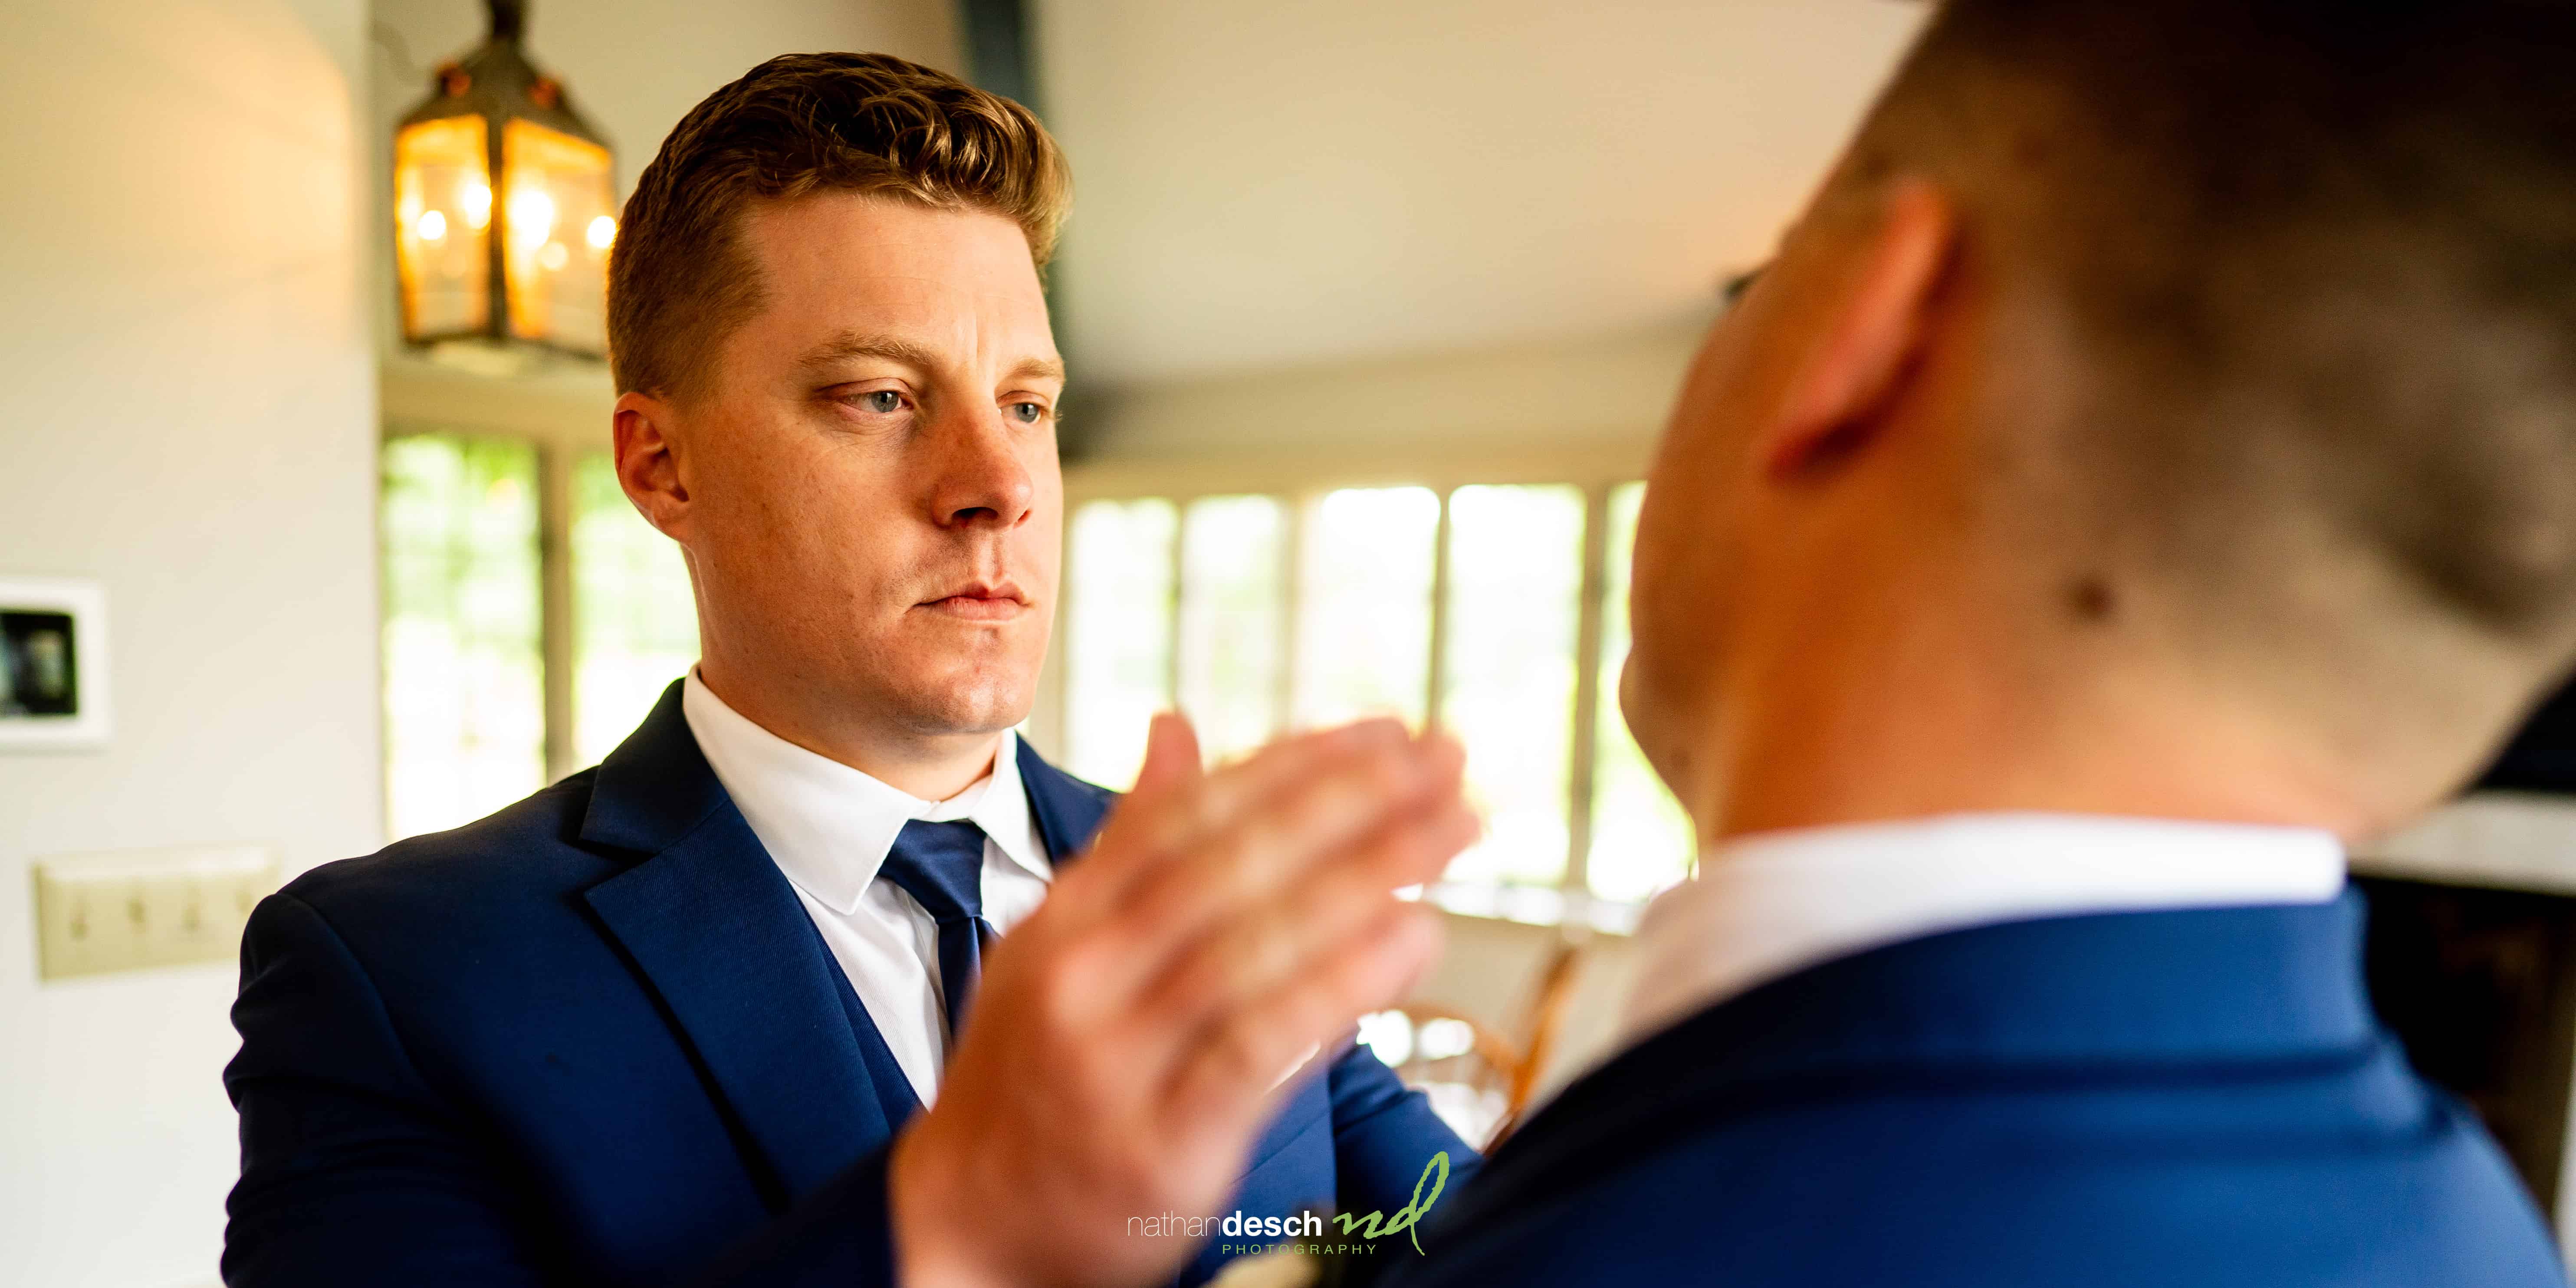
679 281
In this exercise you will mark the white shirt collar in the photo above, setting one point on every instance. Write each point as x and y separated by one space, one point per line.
1770 904
828 826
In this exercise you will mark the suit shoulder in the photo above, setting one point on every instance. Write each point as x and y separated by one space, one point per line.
1994 1188
530 847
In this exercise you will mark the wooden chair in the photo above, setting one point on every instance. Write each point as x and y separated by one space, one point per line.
1498 1071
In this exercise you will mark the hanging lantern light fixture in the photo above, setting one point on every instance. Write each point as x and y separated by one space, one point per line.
504 210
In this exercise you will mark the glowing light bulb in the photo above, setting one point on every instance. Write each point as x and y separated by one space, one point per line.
431 226
603 230
478 206
532 217
554 256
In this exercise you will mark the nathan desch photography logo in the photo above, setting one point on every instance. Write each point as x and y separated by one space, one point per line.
1245 1233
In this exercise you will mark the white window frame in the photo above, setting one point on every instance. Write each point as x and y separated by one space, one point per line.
1297 481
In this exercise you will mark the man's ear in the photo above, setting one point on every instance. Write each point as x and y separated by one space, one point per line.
647 466
1871 336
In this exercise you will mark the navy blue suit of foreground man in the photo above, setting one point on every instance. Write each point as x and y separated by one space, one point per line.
2140 1100
593 1039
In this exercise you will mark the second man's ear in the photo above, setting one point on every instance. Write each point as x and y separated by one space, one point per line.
1873 331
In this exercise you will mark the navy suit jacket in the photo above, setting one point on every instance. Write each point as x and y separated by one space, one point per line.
596 1039
2191 1098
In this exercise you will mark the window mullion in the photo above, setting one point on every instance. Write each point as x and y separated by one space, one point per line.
555 608
1436 676
1583 747
1172 615
1292 608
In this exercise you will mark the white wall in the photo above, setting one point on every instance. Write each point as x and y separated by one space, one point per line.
186 414
1600 400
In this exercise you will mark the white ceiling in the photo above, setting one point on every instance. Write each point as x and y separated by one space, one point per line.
1268 185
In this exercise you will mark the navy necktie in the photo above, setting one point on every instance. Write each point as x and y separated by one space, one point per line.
941 865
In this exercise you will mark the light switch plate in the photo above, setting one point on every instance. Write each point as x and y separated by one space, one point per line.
134 909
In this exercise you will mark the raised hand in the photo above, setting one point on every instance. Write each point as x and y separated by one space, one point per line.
1130 1038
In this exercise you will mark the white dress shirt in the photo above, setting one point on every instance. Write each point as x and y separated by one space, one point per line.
1773 903
829 828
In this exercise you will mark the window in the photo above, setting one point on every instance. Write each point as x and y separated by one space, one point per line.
531 618
1364 599
1503 608
464 664
1641 839
1508 672
1233 618
1119 641
635 623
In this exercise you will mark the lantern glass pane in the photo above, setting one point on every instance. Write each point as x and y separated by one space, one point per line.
557 225
443 226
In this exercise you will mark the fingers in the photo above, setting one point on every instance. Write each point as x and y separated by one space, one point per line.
1173 821
1259 946
1233 1069
1251 862
1171 755
1226 926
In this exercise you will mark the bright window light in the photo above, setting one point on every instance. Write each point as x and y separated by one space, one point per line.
1364 599
1118 637
464 669
1233 611
1508 677
1641 839
635 623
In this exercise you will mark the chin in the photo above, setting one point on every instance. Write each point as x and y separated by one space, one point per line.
963 705
1654 720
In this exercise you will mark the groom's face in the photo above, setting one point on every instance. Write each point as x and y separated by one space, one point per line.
875 504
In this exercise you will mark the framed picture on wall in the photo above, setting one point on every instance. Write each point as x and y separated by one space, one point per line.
53 664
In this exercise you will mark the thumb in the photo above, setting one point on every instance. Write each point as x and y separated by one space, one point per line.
1171 753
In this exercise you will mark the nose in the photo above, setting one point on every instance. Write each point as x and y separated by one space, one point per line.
978 478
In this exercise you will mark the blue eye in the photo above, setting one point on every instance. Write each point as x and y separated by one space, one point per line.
1027 413
884 401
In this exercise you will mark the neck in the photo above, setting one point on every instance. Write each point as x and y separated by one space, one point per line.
931 767
1932 722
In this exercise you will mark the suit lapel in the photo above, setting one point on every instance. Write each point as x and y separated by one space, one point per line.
714 926
1069 811
716 929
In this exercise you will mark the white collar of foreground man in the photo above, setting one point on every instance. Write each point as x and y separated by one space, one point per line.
828 826
1773 903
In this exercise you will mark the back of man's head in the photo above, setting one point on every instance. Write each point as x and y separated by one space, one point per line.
2301 275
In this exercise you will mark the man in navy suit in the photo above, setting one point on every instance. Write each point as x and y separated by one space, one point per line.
675 1019
2148 466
